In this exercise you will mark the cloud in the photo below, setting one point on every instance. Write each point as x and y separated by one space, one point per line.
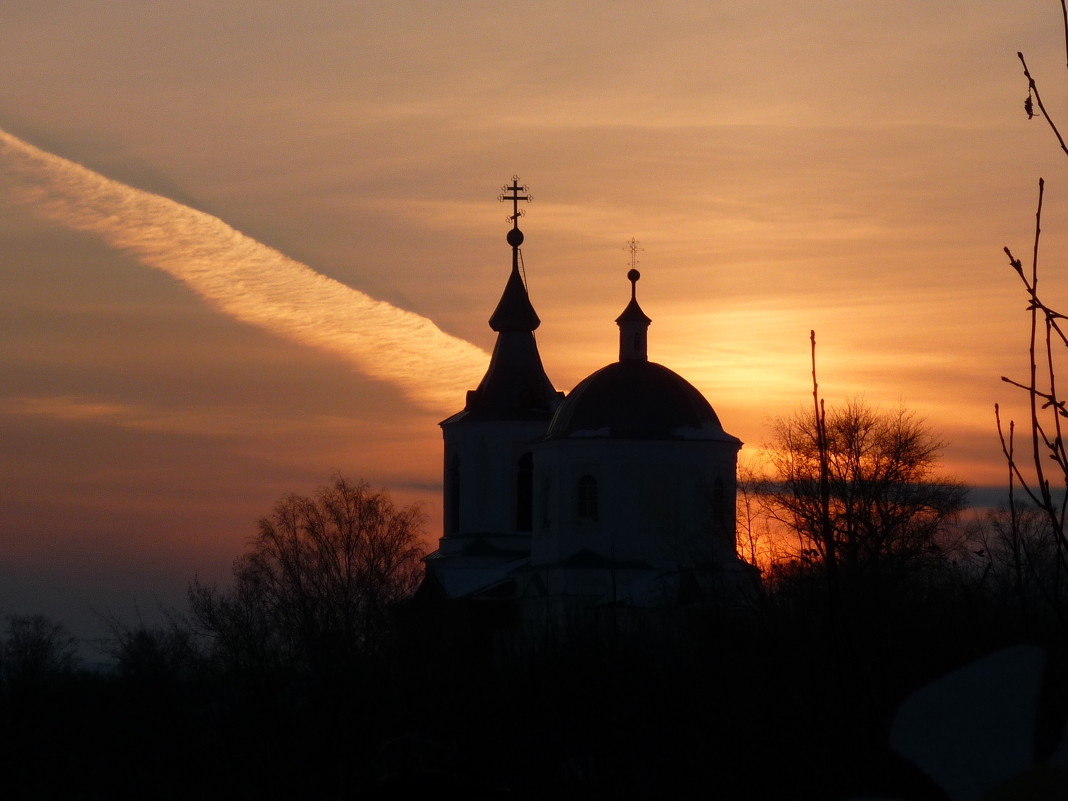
65 408
214 421
247 279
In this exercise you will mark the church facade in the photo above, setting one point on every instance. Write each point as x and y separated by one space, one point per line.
622 492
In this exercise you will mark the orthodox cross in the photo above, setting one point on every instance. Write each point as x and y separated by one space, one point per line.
632 246
515 189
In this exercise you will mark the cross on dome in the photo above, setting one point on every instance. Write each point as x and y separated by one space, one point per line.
515 193
635 249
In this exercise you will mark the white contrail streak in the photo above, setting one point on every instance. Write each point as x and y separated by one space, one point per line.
249 280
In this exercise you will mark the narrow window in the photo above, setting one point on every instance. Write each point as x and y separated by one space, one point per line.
524 493
452 496
543 503
720 510
586 498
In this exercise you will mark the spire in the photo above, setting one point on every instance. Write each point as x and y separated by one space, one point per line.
633 324
514 311
515 386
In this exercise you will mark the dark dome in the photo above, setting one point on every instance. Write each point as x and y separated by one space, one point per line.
636 400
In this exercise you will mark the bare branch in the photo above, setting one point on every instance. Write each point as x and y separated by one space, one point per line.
1033 90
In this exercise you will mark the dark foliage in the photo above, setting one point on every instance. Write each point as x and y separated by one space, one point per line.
35 649
781 700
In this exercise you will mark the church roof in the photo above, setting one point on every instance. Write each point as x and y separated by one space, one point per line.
514 311
515 386
633 314
636 400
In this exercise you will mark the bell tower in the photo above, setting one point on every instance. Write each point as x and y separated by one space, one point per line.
488 469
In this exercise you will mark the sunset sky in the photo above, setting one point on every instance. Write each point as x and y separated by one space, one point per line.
245 247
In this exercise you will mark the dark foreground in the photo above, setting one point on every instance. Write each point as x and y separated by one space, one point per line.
782 699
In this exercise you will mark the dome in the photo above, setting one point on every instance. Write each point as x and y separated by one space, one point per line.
634 399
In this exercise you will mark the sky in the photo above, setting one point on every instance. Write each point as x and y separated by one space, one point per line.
245 248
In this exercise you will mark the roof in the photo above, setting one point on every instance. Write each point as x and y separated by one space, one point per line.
635 399
515 386
514 310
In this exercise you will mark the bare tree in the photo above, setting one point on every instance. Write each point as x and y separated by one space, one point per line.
318 582
748 536
860 488
145 653
1040 476
1018 557
36 647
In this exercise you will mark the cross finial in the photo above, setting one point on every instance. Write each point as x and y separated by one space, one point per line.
515 193
632 246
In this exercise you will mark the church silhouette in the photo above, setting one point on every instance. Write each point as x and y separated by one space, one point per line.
619 494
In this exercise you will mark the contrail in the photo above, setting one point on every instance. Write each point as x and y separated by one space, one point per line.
249 280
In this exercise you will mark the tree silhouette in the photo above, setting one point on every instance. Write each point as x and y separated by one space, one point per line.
1041 473
860 489
36 648
316 586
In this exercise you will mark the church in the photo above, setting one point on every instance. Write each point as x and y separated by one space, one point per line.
619 493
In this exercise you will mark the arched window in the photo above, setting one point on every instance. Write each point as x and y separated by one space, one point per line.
524 493
586 498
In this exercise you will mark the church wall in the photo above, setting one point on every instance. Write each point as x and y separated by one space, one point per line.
480 469
655 500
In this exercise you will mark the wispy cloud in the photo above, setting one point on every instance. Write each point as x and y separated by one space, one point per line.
65 408
247 279
214 420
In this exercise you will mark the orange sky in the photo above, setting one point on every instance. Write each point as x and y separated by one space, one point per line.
281 260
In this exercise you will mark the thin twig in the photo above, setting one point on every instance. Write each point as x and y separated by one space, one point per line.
1014 467
1036 427
1042 107
1064 17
